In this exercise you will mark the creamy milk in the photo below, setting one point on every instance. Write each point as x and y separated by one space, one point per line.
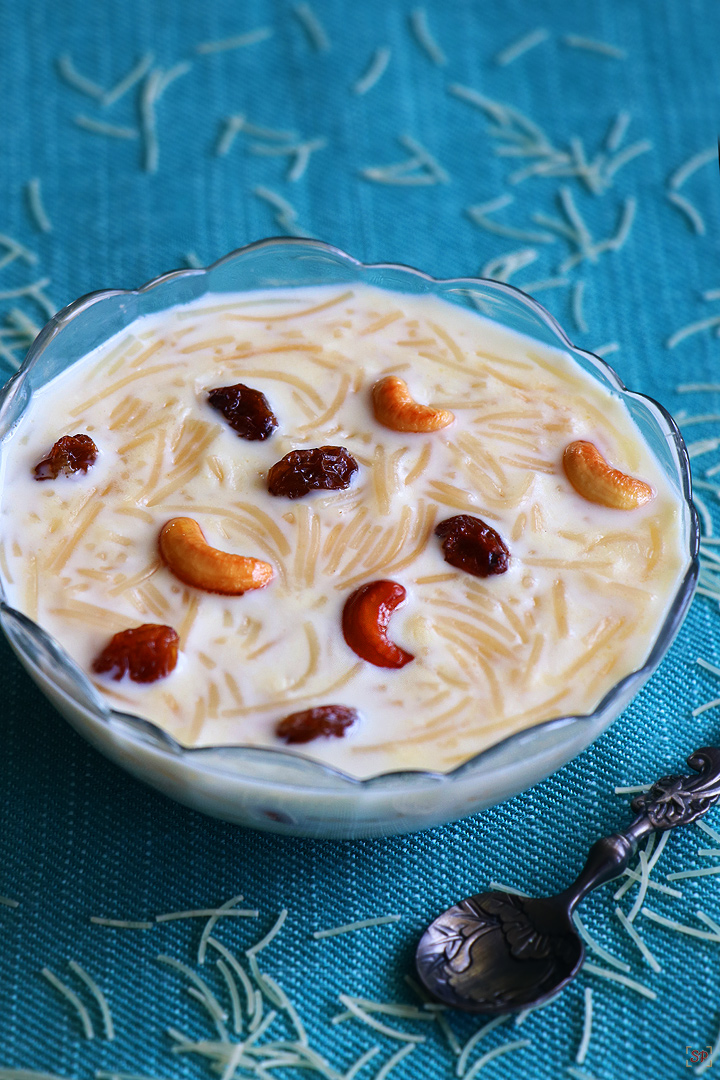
584 597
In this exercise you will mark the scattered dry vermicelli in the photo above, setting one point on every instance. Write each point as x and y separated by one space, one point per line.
35 204
238 41
575 41
101 127
251 995
420 169
425 37
375 71
521 46
313 27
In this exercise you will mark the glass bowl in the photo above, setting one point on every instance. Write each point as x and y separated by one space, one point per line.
280 791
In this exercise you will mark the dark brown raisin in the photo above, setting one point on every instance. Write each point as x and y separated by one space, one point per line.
471 545
301 471
145 653
246 410
70 454
320 722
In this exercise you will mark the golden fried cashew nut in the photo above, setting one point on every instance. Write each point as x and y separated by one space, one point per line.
396 409
592 477
365 619
187 554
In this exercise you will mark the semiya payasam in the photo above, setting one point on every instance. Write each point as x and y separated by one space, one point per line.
426 448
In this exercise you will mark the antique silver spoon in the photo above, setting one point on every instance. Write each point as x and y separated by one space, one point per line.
497 953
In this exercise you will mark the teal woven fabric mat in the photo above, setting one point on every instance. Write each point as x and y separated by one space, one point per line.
78 837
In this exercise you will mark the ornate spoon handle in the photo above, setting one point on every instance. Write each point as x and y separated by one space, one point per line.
671 801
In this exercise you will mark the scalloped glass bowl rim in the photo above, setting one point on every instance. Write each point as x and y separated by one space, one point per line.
161 739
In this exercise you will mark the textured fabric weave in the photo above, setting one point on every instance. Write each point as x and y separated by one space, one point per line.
77 836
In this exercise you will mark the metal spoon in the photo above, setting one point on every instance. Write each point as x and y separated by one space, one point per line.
497 953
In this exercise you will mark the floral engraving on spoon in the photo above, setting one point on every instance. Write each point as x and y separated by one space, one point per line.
492 934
